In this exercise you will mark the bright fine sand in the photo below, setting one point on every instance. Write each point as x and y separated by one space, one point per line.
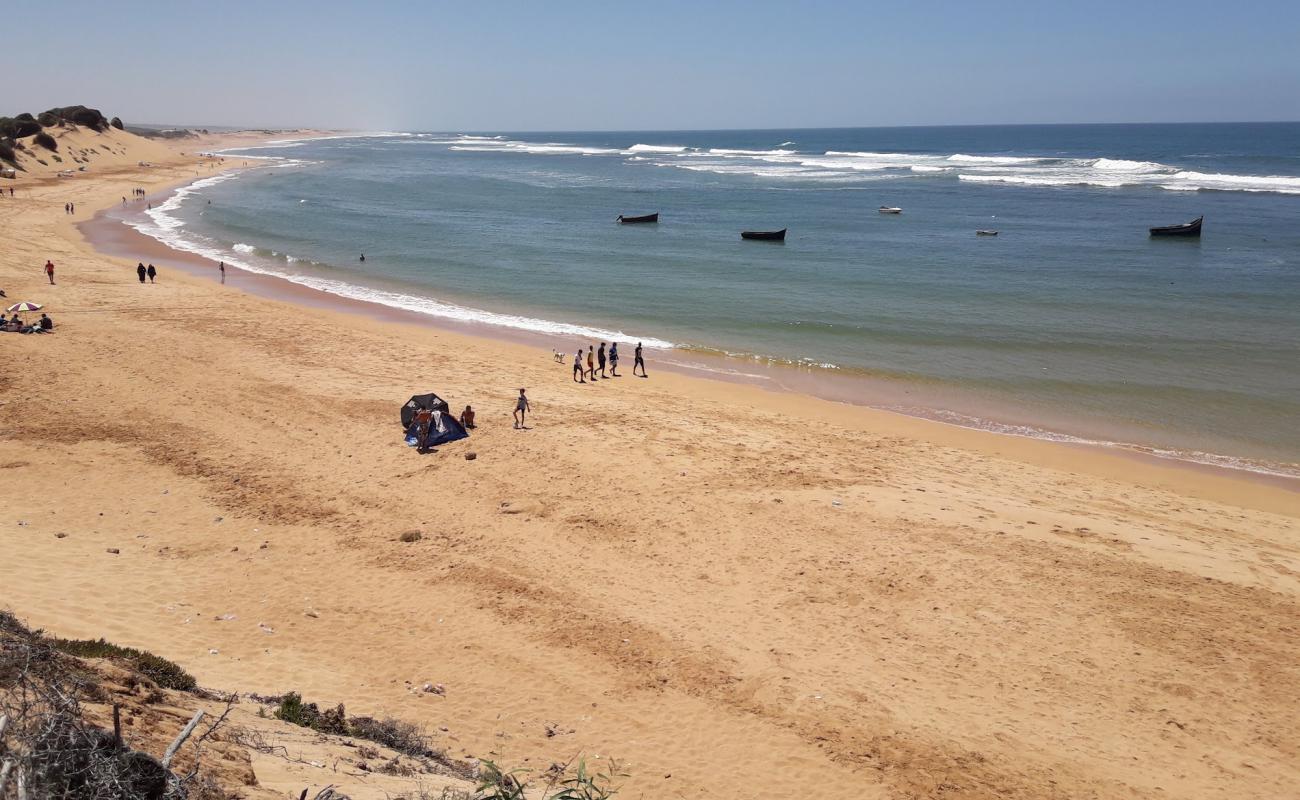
736 593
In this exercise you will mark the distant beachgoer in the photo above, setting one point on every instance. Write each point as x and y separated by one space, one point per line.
140 271
423 420
123 199
49 271
600 356
363 256
46 323
577 368
72 208
638 361
521 408
467 417
222 267
591 362
613 360
65 208
152 273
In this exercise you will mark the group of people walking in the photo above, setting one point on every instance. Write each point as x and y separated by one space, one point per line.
69 208
143 272
598 359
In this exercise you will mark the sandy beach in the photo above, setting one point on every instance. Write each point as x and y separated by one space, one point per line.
734 592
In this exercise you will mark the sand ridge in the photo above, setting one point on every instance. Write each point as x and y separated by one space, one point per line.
732 605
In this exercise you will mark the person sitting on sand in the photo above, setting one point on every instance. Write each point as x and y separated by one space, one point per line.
467 418
46 323
522 408
14 325
577 368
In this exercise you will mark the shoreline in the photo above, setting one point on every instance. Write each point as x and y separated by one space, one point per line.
108 232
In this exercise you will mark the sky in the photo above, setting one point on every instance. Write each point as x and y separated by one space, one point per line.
664 65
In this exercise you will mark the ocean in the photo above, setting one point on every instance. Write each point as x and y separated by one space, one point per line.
1070 324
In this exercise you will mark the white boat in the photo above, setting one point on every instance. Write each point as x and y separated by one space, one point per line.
986 232
890 210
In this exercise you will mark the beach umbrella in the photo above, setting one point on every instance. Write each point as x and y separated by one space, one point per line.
24 306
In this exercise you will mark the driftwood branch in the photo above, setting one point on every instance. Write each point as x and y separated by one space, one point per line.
4 775
180 740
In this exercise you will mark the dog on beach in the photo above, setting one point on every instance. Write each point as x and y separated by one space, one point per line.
558 356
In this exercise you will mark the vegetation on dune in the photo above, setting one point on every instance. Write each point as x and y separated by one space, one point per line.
47 141
167 674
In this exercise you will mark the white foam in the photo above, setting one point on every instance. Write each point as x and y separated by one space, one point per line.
240 247
656 148
962 158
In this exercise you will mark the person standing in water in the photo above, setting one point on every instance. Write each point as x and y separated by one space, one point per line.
153 273
363 256
521 409
600 357
577 368
613 360
638 361
140 271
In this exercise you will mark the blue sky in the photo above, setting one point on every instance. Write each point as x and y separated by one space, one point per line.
654 65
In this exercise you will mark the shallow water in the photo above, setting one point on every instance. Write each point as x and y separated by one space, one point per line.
1070 322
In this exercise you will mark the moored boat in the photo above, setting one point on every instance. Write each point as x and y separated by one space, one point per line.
764 236
986 232
626 220
890 210
1192 228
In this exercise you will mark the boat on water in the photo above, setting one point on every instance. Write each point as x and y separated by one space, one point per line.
986 232
890 210
624 219
1192 228
764 236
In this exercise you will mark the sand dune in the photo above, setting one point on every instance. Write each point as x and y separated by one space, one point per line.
660 570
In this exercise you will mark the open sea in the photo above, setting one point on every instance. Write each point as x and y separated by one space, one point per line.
1070 324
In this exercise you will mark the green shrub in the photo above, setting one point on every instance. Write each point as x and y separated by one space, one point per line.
47 141
167 674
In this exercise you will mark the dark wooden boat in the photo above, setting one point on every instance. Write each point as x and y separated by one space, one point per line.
1192 228
764 236
626 220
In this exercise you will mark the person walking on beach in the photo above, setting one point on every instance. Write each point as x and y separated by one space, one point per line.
591 362
222 266
521 409
49 271
65 208
140 271
577 368
152 273
613 360
638 361
72 208
600 357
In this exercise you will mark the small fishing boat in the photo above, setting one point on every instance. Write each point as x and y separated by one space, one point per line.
1192 228
890 210
764 236
626 220
986 232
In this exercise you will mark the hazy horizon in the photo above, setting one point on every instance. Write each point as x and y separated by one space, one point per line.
584 66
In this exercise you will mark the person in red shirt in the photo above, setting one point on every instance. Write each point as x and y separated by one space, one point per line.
49 271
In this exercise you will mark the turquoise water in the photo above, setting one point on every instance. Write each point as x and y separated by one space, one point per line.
1070 321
